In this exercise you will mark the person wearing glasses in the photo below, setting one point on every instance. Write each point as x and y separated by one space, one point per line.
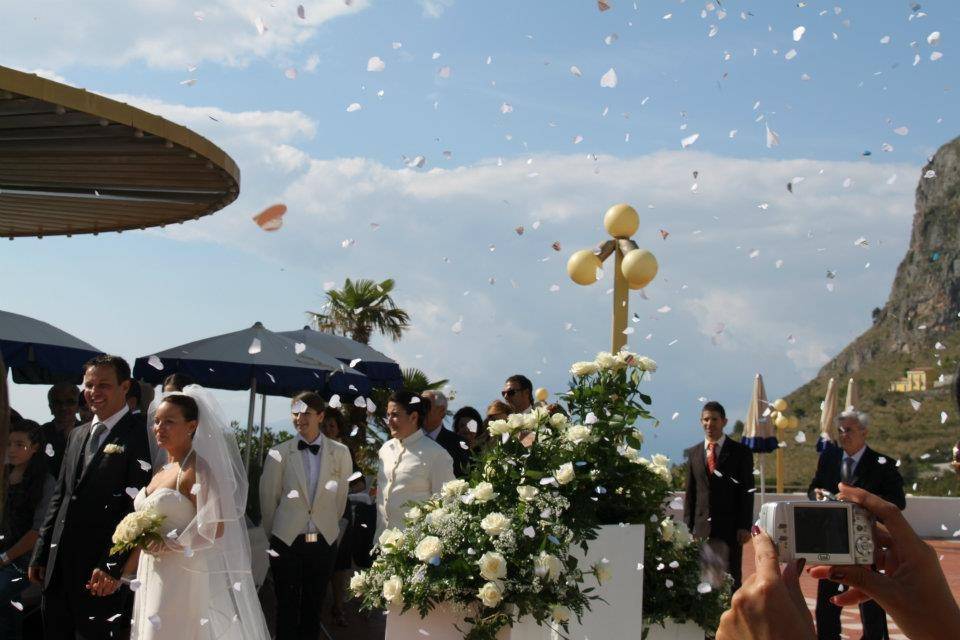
518 392
64 402
857 465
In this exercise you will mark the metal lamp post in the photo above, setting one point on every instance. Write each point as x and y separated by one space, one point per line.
634 268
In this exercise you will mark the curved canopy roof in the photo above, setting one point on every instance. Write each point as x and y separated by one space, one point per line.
74 162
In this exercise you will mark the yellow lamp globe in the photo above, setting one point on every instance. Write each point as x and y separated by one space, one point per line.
621 221
639 267
541 394
794 422
780 405
582 267
782 421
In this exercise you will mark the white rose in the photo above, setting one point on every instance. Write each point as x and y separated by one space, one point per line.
605 360
428 549
490 594
531 420
391 537
527 493
578 433
660 460
516 421
437 517
483 492
547 565
560 614
626 358
682 536
565 473
630 453
498 427
602 573
558 419
667 529
414 513
393 589
453 488
646 364
357 582
581 369
493 566
495 523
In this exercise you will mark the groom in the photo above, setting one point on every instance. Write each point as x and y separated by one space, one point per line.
105 461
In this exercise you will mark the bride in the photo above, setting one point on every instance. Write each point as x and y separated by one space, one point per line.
197 584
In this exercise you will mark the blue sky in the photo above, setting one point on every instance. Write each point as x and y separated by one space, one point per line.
445 230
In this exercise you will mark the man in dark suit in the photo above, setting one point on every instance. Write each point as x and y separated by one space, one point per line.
718 505
105 461
433 427
856 464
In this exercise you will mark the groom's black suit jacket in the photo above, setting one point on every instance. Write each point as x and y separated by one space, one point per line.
88 503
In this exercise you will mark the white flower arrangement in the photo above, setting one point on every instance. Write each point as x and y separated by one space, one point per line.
606 361
137 530
113 448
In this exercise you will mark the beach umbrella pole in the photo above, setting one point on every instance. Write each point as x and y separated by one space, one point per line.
253 407
263 423
763 480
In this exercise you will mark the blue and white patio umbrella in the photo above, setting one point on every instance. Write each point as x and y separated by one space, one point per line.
39 353
758 432
256 359
828 418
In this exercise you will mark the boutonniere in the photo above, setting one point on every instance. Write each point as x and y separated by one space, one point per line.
113 448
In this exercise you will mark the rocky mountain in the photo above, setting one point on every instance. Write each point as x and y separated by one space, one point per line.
917 327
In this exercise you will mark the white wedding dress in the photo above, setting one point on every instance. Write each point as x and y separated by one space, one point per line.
173 593
201 587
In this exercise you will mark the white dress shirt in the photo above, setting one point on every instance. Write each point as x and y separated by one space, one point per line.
411 470
110 422
311 464
433 434
716 450
856 460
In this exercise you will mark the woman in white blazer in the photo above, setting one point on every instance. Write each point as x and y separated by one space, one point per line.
303 492
412 466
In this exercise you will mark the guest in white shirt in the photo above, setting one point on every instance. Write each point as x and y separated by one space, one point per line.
303 492
412 466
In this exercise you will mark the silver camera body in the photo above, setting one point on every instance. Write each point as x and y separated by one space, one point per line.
826 532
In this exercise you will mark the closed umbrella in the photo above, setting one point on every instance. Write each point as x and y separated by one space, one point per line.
379 369
40 353
758 432
828 418
853 396
256 359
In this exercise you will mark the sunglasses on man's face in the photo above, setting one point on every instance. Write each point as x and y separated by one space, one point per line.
509 393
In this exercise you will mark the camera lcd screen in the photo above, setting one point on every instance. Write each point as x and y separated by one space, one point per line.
821 530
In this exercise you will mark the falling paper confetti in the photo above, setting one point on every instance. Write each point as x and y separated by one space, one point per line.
609 79
155 362
375 64
255 347
354 106
689 140
271 218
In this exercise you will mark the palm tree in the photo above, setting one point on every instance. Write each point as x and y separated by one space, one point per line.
361 307
417 381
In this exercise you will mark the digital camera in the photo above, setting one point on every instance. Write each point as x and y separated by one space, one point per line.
828 532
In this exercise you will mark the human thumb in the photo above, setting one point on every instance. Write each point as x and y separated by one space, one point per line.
875 586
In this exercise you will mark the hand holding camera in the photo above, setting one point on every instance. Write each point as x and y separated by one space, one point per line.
912 588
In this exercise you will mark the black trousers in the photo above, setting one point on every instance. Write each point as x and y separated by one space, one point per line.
300 575
872 616
71 613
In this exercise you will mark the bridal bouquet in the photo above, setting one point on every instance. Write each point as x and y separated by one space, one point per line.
499 545
137 530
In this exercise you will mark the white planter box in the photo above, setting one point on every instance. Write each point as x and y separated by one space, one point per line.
620 617
675 631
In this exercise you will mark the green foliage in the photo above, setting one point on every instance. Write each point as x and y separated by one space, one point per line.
360 308
270 439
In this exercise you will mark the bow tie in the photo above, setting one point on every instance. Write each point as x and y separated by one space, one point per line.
314 448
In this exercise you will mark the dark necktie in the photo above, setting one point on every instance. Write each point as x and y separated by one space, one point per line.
93 442
314 448
846 472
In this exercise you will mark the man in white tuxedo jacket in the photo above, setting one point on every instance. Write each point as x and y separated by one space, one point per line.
412 466
303 493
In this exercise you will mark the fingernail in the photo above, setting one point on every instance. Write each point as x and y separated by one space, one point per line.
755 531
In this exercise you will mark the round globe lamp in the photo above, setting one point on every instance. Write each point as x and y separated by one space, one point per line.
541 394
582 267
639 267
782 422
621 221
779 404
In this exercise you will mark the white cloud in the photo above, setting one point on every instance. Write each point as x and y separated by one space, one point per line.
167 34
435 8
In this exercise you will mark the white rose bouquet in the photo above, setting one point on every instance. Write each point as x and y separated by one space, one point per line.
137 530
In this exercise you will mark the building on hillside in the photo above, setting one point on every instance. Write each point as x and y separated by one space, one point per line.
920 379
945 380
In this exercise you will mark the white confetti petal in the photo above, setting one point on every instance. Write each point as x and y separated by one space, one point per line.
609 79
798 33
255 347
375 64
155 362
354 106
689 140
